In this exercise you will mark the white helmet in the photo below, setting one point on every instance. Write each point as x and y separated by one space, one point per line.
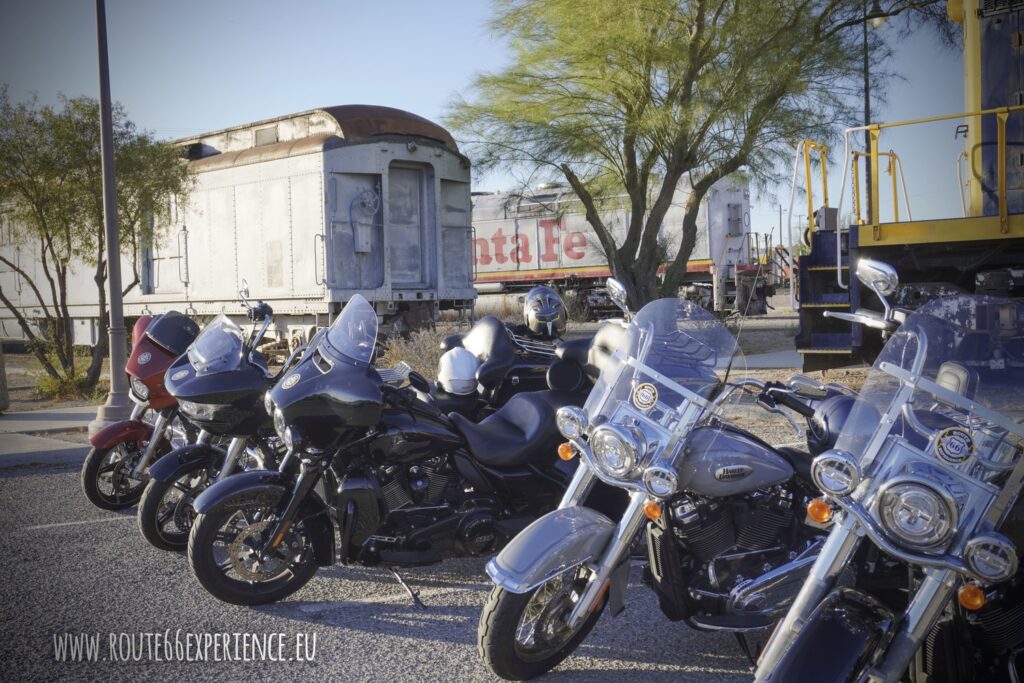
456 371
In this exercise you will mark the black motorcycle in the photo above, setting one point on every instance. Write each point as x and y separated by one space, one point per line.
375 475
219 383
510 363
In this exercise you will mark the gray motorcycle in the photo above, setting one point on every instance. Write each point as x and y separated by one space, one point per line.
723 512
919 577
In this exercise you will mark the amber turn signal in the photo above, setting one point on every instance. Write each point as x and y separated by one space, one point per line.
971 597
819 511
565 451
652 510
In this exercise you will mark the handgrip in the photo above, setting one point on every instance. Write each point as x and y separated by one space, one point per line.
793 402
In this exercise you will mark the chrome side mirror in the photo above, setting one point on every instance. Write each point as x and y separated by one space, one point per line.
807 387
617 293
880 278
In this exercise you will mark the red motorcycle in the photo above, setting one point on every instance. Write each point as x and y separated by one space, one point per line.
114 471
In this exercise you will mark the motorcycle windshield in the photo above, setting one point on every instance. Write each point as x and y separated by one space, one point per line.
661 381
948 386
218 348
353 335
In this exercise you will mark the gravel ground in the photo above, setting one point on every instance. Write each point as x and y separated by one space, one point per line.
71 568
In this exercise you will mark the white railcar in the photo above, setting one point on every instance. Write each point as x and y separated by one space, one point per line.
310 209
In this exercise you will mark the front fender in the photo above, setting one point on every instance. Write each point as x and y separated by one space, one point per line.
124 431
177 462
839 642
260 488
558 541
268 488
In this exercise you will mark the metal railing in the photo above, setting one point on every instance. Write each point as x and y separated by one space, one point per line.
874 131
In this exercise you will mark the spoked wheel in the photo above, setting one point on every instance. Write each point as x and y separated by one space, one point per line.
524 635
106 476
225 551
165 511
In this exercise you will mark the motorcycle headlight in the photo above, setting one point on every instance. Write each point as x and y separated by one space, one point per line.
660 482
571 421
617 449
292 439
836 472
279 424
140 388
916 513
202 411
268 403
992 557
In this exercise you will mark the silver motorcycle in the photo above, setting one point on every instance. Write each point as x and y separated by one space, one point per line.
727 543
922 489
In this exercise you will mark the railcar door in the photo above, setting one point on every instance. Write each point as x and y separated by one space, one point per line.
410 219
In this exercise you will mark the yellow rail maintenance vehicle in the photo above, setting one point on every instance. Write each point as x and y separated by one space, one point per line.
980 251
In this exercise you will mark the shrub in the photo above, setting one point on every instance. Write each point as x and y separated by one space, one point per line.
421 350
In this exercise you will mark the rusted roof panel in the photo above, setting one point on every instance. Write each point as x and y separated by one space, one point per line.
281 150
363 121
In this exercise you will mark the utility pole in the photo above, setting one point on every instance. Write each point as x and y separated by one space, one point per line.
118 405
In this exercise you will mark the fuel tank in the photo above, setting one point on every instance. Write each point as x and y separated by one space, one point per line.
413 436
717 462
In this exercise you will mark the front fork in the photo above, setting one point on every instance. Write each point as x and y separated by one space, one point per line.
922 613
160 423
835 553
309 473
920 617
617 548
235 449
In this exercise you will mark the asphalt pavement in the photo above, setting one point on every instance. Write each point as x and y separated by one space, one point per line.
71 569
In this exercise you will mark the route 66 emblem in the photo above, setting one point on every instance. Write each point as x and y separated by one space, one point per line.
645 396
954 445
291 380
144 357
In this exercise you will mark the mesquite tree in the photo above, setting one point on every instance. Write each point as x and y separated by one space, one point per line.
632 96
51 195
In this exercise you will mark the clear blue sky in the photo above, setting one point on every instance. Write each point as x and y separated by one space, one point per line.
187 66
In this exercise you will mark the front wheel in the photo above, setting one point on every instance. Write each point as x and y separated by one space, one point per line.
106 476
165 511
225 551
521 636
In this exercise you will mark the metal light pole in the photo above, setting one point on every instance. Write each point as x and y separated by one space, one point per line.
118 406
876 16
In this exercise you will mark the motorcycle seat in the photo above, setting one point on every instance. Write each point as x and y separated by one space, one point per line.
490 342
800 460
520 432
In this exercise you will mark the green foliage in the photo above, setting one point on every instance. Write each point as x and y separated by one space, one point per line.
632 95
51 190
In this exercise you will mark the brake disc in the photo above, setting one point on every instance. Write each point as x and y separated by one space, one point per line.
245 557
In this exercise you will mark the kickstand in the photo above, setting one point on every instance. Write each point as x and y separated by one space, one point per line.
408 589
745 646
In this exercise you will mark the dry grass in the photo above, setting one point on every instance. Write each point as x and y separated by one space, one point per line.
421 350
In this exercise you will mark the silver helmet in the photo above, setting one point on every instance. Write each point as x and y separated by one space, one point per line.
456 371
544 313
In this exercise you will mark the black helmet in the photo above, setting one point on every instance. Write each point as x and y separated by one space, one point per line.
544 313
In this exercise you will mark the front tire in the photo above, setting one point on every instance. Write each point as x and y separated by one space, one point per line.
222 551
106 479
165 514
515 650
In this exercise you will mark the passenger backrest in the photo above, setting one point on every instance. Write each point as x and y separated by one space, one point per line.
958 378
